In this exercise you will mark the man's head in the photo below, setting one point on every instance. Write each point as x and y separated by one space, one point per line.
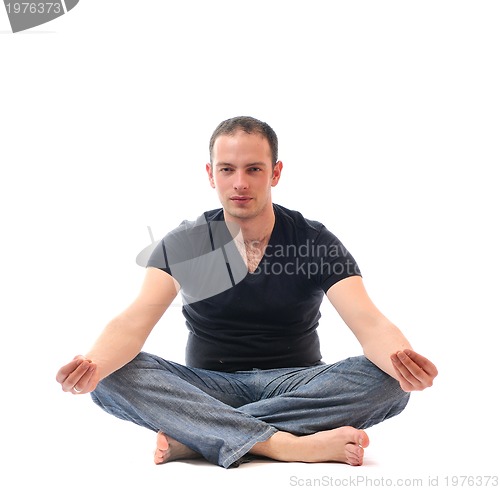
244 167
249 125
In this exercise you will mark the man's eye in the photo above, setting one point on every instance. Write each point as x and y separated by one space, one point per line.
255 169
225 169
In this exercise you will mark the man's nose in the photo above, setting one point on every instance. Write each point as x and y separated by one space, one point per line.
240 180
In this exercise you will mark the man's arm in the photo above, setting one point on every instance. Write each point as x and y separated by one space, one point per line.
123 337
382 342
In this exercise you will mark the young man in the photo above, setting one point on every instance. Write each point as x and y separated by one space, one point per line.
252 277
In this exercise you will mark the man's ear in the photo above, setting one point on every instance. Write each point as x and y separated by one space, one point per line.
210 174
276 173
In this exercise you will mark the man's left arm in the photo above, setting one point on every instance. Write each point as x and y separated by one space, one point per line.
382 342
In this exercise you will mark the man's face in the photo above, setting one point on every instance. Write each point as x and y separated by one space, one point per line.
242 173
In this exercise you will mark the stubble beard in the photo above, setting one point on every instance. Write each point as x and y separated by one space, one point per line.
241 213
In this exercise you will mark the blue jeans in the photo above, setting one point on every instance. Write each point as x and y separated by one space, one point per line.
222 416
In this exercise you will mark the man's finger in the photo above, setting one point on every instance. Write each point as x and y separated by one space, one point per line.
74 377
401 369
422 362
401 374
83 384
66 370
412 367
412 376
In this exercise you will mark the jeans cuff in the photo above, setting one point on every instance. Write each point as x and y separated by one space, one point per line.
240 455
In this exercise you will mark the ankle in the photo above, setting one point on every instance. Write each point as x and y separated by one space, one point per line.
281 446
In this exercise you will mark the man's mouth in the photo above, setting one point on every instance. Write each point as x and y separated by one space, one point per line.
240 199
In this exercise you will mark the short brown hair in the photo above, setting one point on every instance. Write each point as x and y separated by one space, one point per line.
249 125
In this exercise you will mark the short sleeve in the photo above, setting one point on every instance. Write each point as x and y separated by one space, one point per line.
201 257
331 259
158 257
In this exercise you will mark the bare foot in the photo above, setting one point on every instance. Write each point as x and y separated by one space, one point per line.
342 445
168 449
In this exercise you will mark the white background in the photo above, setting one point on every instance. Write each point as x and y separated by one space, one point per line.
388 119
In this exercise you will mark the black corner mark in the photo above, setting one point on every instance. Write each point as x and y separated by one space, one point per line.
70 4
24 15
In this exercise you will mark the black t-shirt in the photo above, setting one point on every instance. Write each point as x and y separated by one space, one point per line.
239 320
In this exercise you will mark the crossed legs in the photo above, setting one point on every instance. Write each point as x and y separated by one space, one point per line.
306 414
343 445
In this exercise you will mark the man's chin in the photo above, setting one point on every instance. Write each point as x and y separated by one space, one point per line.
240 212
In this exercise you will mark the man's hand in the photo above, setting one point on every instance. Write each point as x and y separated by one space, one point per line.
78 376
414 372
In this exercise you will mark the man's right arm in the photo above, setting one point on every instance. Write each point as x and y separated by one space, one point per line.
123 337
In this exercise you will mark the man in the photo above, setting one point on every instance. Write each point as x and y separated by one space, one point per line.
252 276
